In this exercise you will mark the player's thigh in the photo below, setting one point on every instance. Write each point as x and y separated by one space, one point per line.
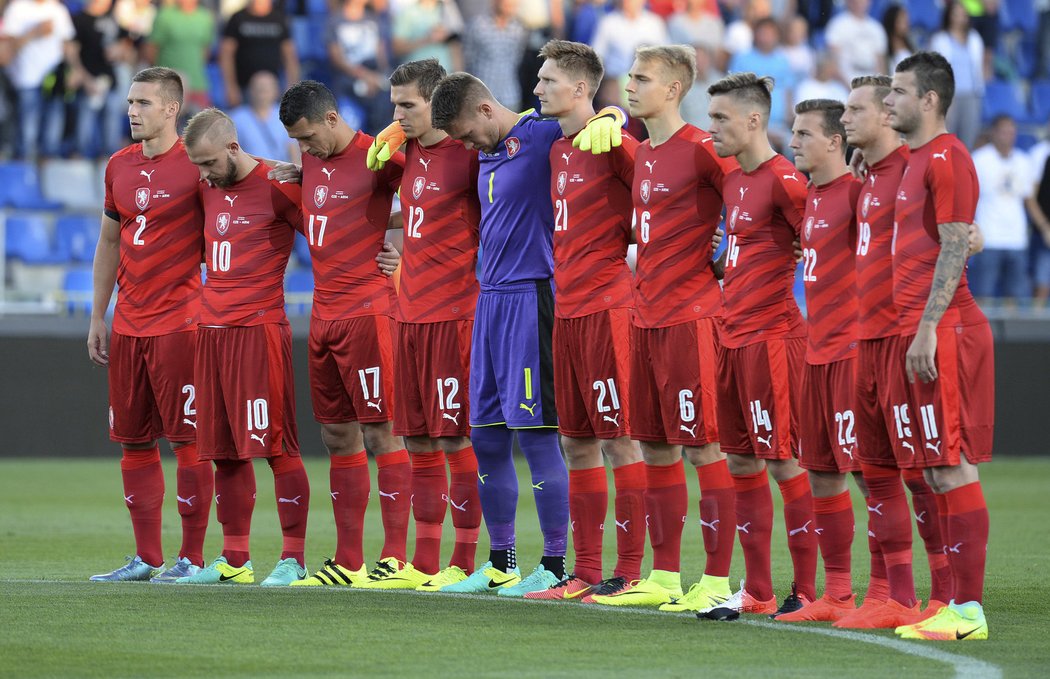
362 352
574 419
647 421
214 433
770 380
443 377
331 403
827 421
522 356
170 362
873 413
734 425
485 404
595 355
133 414
684 358
409 416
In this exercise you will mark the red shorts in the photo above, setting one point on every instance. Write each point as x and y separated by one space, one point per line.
432 374
757 398
827 423
352 369
151 388
881 406
592 374
955 414
673 375
245 392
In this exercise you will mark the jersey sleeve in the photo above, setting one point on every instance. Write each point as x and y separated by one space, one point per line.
712 169
949 181
790 198
287 202
109 205
390 175
623 160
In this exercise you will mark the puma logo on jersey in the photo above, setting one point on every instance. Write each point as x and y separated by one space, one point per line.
877 509
289 500
943 155
743 190
650 164
147 175
392 496
743 529
790 176
189 422
606 418
376 404
455 420
920 517
230 199
689 430
768 441
816 203
531 409
328 173
425 164
713 525
566 156
848 452
623 525
908 446
935 448
188 501
872 177
260 439
804 528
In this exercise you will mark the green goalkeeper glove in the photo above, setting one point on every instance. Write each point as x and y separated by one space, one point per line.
384 146
603 132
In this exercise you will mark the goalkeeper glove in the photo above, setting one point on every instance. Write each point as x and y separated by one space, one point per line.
384 146
603 132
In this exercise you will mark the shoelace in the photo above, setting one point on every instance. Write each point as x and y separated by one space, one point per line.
568 579
381 571
611 586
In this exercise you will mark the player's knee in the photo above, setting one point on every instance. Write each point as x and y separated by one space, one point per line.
702 455
744 465
827 484
581 453
660 454
421 444
784 470
452 444
342 439
862 485
622 451
378 439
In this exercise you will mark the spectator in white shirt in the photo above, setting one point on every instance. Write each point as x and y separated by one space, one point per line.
620 33
858 41
962 46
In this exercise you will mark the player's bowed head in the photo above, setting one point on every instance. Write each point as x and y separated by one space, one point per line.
310 114
467 111
211 144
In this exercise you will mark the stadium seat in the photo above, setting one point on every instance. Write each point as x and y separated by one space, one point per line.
1041 102
307 34
74 183
76 236
299 287
29 240
78 287
1001 97
301 250
317 8
216 88
352 113
1026 141
925 14
20 187
1018 15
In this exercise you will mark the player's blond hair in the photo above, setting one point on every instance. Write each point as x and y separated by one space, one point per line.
576 59
211 123
747 88
678 61
881 84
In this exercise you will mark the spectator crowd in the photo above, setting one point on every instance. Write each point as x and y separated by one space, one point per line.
66 68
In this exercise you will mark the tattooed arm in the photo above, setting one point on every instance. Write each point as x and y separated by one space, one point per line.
951 260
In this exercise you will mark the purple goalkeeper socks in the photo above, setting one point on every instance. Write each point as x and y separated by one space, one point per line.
497 482
550 486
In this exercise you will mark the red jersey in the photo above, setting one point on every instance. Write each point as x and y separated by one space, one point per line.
764 215
248 232
877 314
439 204
677 204
591 196
939 186
161 242
828 271
346 208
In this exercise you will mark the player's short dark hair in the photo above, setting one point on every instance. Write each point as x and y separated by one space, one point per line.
881 83
746 87
576 59
932 72
169 80
679 60
425 73
454 94
832 110
209 122
307 99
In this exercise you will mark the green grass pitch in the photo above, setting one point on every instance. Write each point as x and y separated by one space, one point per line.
61 521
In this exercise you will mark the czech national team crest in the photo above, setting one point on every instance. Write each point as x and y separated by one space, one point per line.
417 187
645 187
320 195
513 145
733 216
865 205
563 178
222 223
809 228
142 197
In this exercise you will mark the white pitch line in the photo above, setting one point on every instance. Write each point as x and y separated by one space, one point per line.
965 667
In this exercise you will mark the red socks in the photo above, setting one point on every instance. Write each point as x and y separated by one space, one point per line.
292 488
195 485
348 476
429 499
878 586
802 533
144 496
234 504
629 509
588 506
928 521
717 516
834 516
395 491
754 524
666 503
888 515
465 506
967 519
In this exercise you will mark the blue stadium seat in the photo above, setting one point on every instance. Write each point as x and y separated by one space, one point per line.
1041 102
76 236
300 283
20 187
1019 15
924 14
216 88
317 8
29 240
352 113
1004 97
78 287
301 251
1026 141
308 35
